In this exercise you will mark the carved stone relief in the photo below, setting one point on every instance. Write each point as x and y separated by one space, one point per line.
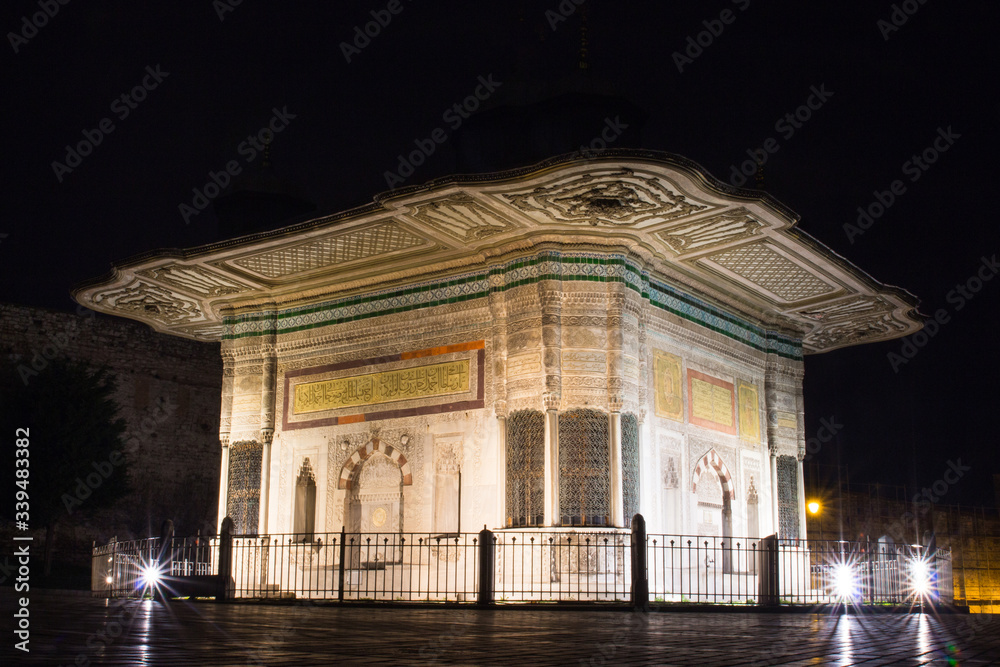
622 198
463 217
708 232
153 301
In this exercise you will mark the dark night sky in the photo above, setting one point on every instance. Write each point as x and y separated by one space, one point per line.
889 98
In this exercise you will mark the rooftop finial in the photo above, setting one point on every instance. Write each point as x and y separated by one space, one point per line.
266 162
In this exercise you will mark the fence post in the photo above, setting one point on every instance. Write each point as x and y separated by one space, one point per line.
870 566
768 589
486 573
340 568
166 557
639 591
114 566
225 560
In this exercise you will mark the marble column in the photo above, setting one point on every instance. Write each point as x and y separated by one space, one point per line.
501 412
223 483
801 498
552 517
617 500
774 493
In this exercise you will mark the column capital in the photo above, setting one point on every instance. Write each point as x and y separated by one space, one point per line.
550 400
267 435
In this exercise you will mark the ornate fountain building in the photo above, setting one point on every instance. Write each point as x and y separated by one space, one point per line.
561 345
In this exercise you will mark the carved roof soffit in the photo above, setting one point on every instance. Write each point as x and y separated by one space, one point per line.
677 225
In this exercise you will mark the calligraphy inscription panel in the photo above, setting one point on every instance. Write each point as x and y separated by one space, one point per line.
388 386
711 402
584 362
524 364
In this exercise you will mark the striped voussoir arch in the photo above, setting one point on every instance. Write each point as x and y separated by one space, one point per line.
351 465
714 461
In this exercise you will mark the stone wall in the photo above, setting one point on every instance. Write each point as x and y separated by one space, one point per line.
168 394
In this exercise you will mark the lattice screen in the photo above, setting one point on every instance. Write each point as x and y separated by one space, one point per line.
788 506
525 468
584 462
630 466
243 498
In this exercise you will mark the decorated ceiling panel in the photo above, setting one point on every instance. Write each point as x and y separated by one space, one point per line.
331 251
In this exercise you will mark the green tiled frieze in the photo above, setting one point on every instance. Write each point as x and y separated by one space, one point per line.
514 273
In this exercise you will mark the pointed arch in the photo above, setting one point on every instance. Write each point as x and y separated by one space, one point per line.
714 461
351 465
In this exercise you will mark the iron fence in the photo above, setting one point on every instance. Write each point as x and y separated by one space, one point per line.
731 570
118 569
369 566
562 566
512 566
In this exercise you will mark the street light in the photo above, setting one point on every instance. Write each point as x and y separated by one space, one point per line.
845 582
813 507
150 575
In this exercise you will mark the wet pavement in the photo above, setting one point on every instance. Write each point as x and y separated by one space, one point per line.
74 630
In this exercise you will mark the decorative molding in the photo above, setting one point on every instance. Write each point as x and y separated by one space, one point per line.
196 279
878 326
152 301
859 305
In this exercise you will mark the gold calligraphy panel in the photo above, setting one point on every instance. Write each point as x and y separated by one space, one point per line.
372 388
669 400
711 401
749 412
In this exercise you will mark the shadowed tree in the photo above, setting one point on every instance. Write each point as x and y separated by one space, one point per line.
76 452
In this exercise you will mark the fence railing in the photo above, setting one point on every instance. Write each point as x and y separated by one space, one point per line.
540 565
576 565
346 566
733 570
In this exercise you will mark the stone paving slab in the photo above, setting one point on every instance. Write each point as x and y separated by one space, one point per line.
81 631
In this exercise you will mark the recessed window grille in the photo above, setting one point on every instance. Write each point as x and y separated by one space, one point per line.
630 466
243 498
525 468
584 462
788 507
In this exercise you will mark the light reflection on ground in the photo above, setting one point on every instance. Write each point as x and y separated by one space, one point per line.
68 630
